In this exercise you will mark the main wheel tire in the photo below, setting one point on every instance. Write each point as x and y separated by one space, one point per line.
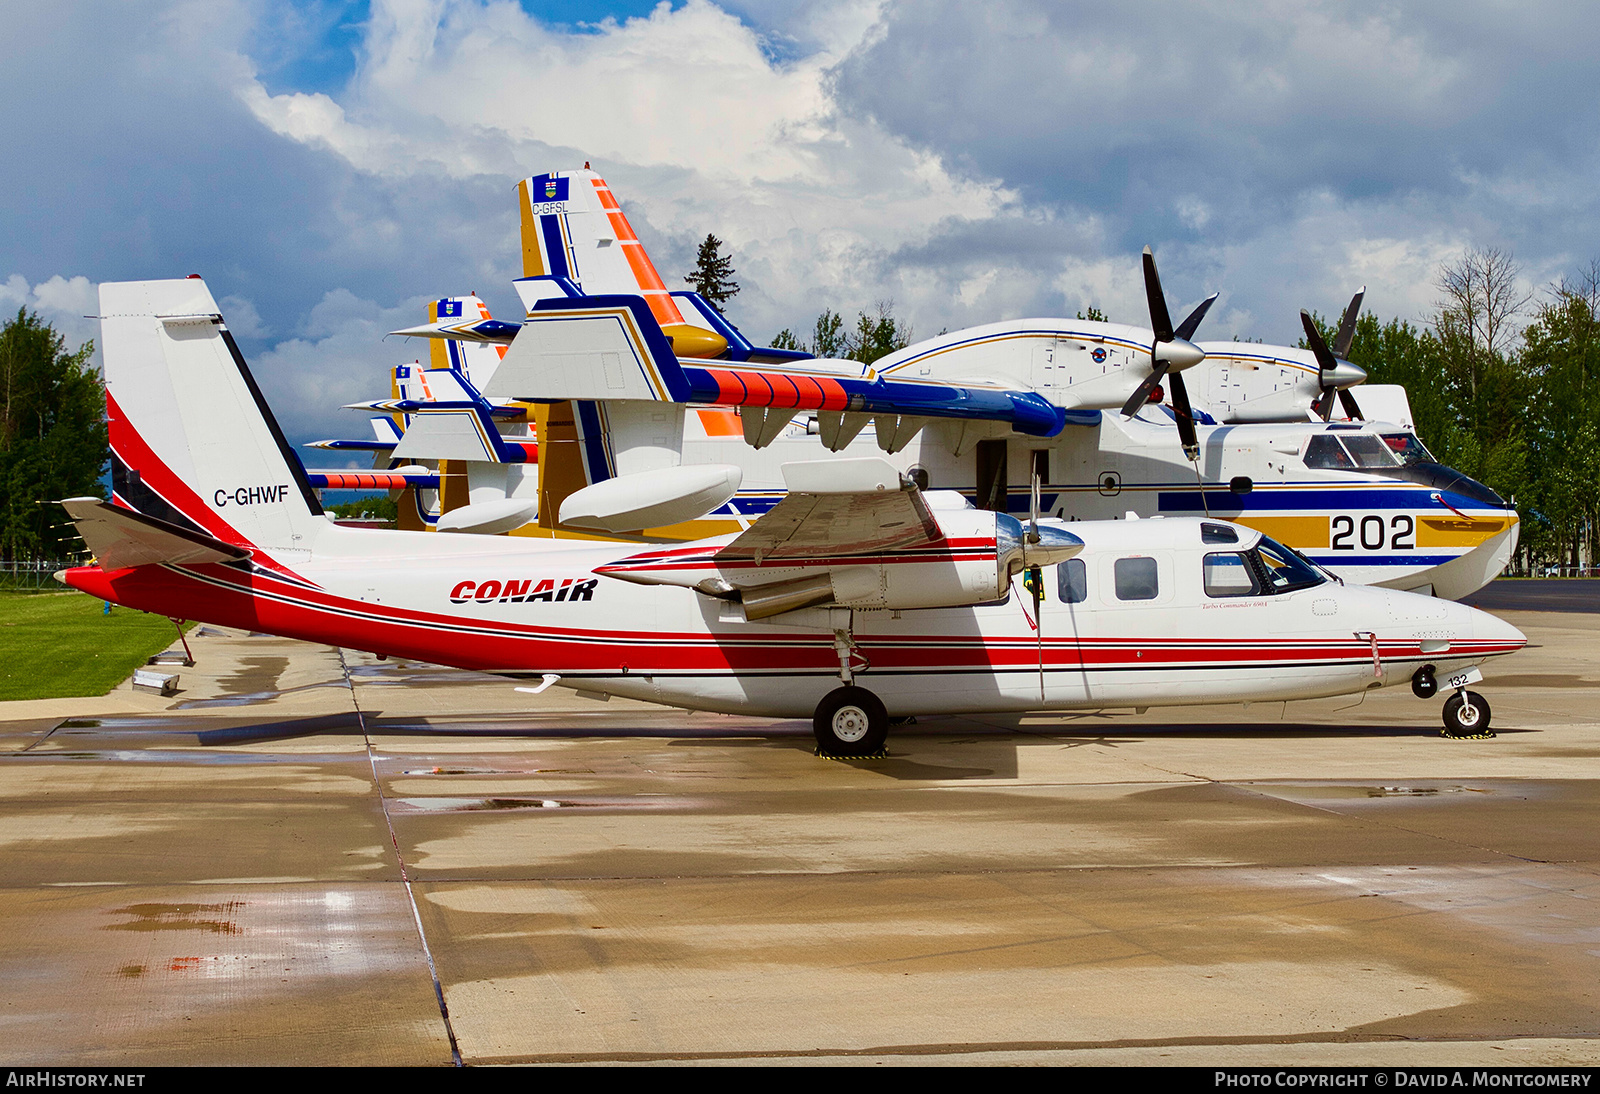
1466 714
850 721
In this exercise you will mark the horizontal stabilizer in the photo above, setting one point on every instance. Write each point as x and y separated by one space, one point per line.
122 538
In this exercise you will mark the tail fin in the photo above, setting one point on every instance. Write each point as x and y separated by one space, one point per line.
474 360
193 442
573 228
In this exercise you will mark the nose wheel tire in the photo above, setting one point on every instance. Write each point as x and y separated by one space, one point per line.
850 721
1466 714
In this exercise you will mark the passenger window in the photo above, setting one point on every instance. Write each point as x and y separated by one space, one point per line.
1072 581
1230 575
1136 579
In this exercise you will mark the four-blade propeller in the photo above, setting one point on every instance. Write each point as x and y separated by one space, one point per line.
1170 352
1335 373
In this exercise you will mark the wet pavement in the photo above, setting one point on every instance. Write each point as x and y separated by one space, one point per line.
309 856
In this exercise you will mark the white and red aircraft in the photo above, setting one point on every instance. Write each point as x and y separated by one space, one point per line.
856 598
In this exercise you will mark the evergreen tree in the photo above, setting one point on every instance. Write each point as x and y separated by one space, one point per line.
877 336
713 273
52 437
828 340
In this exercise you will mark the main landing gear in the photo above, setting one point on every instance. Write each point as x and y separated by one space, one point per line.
1466 713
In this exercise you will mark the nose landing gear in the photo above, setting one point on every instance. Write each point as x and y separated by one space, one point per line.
1466 713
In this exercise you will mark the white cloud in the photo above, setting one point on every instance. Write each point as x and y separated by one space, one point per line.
69 304
688 115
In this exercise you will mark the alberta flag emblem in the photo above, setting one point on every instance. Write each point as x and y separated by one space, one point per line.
555 189
549 189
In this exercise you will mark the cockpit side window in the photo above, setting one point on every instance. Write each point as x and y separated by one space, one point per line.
1230 574
1325 453
1370 451
1408 448
1072 581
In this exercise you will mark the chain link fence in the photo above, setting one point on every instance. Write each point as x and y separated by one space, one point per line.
33 575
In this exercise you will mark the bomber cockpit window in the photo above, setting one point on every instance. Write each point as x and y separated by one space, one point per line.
1324 452
1230 574
1349 452
1408 448
1369 451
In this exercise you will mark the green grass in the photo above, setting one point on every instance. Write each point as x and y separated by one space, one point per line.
55 645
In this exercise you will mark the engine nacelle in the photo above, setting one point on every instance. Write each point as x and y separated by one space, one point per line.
972 564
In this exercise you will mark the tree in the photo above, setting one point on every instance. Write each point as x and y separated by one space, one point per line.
877 336
52 436
828 340
1481 300
713 273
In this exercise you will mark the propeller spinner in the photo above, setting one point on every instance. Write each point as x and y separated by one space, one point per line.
1170 352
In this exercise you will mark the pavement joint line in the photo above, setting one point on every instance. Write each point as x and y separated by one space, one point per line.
405 876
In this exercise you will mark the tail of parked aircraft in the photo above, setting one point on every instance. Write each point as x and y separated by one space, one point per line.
192 440
574 229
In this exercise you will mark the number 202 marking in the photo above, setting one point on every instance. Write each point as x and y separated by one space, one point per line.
1400 533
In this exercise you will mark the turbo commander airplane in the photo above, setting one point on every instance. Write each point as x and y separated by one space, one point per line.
858 597
981 410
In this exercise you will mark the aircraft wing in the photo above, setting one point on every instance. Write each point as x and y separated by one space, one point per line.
612 347
121 538
846 507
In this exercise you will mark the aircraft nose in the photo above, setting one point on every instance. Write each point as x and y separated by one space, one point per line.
1343 374
1492 628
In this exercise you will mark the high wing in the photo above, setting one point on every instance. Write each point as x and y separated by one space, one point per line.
122 538
852 506
854 534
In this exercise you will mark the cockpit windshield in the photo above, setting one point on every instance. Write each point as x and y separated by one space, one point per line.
1352 451
1288 569
1408 448
1266 569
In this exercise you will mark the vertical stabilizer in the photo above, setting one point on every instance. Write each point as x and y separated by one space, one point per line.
192 439
574 228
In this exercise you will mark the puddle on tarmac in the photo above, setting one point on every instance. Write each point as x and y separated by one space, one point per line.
467 771
654 804
1348 792
211 918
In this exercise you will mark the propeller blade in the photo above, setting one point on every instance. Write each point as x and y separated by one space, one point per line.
1160 319
1033 511
1186 329
1322 407
1348 401
1180 407
1325 359
1347 325
1141 394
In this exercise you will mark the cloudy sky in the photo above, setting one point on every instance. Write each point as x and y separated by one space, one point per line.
328 165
